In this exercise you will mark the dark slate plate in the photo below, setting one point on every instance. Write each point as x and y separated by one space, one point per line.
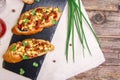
47 34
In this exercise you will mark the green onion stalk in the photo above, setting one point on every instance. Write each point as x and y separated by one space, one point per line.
76 16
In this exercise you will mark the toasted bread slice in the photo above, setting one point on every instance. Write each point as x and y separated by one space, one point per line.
27 49
34 20
28 1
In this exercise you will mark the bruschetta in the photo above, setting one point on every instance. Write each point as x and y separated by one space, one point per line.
34 20
28 1
27 49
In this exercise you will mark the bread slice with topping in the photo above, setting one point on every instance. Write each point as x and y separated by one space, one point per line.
27 49
34 20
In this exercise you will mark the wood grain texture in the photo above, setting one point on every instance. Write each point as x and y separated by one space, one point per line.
105 18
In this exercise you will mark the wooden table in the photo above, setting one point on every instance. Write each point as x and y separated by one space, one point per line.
105 18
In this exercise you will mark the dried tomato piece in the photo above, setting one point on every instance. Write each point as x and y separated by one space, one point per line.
38 10
20 26
55 15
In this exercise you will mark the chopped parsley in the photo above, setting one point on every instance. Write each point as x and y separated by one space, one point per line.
25 44
26 20
37 0
13 48
33 12
35 64
59 10
54 21
22 71
24 57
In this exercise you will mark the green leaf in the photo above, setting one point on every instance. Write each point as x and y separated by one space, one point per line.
54 21
37 0
13 48
35 64
26 20
33 12
24 57
59 10
25 44
22 71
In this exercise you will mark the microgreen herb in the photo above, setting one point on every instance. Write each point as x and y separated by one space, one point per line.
76 16
22 71
59 10
54 21
33 12
26 20
25 44
35 64
37 0
13 48
24 57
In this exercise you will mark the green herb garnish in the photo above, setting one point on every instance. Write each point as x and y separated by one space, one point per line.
22 71
59 10
76 16
25 44
26 20
37 0
54 21
33 12
24 57
13 48
35 64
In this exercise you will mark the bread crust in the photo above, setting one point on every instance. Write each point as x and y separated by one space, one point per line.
11 57
17 31
28 1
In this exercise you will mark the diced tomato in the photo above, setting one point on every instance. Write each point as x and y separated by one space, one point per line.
38 24
45 16
38 10
20 26
55 14
30 16
28 46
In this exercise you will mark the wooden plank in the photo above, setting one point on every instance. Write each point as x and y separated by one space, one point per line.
104 5
105 23
111 50
100 73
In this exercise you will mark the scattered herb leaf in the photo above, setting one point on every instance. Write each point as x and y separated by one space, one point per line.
59 10
13 48
24 57
35 64
22 71
26 20
37 0
33 12
54 21
25 44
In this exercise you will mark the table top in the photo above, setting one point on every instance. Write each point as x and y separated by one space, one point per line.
60 70
104 15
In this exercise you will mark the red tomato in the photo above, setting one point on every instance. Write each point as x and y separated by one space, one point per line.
2 28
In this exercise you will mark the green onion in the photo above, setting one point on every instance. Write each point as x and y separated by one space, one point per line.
59 10
33 12
25 44
37 0
24 57
76 16
35 64
54 21
13 48
22 71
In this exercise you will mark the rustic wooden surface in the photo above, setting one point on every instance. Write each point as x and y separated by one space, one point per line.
105 18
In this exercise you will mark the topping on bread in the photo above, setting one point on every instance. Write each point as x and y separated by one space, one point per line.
33 21
27 49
